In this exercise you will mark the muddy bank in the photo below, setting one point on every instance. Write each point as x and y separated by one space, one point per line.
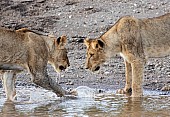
79 19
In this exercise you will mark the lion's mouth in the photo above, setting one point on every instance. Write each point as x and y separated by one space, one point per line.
97 68
62 68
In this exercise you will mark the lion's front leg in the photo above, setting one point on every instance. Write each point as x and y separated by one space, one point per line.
128 72
40 77
137 78
9 84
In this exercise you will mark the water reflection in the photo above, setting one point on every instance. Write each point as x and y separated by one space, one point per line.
102 105
9 110
156 106
132 108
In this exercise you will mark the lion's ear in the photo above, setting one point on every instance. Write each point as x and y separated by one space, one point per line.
87 42
61 41
100 43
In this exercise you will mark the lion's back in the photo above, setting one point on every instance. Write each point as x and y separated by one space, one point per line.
145 37
13 48
11 41
151 36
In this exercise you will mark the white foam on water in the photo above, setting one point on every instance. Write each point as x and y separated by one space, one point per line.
41 95
84 91
30 98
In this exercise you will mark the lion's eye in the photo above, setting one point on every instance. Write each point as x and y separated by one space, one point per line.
91 54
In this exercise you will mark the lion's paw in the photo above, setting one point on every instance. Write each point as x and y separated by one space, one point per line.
124 91
73 92
166 88
120 91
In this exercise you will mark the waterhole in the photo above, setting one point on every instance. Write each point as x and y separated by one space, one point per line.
37 102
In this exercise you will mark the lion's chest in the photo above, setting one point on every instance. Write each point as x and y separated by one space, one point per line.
123 56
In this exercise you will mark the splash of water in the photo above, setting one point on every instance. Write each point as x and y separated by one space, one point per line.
84 91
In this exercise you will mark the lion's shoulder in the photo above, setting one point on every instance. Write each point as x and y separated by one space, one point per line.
127 21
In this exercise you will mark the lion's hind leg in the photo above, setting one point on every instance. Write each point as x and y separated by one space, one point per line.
9 84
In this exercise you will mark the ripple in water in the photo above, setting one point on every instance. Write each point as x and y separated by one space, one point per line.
89 103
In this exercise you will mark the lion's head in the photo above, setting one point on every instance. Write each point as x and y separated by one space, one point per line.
58 56
95 54
57 51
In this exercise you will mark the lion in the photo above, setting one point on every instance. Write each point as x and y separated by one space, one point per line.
135 40
24 49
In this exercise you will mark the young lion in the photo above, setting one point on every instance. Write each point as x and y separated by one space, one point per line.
135 40
25 49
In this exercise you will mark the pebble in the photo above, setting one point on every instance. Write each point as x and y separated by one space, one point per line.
40 1
23 0
107 73
62 75
70 16
70 83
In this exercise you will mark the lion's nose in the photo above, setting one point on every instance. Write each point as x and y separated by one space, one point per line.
68 64
86 67
97 68
61 67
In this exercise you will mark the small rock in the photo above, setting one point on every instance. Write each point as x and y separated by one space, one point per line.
89 8
70 16
151 7
106 73
101 78
62 75
59 14
40 1
70 83
102 20
23 0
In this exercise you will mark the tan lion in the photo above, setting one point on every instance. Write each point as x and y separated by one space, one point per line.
135 40
25 49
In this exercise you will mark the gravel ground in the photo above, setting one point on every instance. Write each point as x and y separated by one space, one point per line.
79 19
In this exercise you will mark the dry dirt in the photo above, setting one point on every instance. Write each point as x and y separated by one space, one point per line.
86 18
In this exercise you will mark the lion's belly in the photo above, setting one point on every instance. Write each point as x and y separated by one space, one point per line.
153 52
11 67
14 52
156 38
13 57
157 51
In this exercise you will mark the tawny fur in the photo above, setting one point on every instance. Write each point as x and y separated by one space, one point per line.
135 40
25 49
8 79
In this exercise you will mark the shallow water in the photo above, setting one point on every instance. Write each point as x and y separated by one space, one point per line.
36 102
